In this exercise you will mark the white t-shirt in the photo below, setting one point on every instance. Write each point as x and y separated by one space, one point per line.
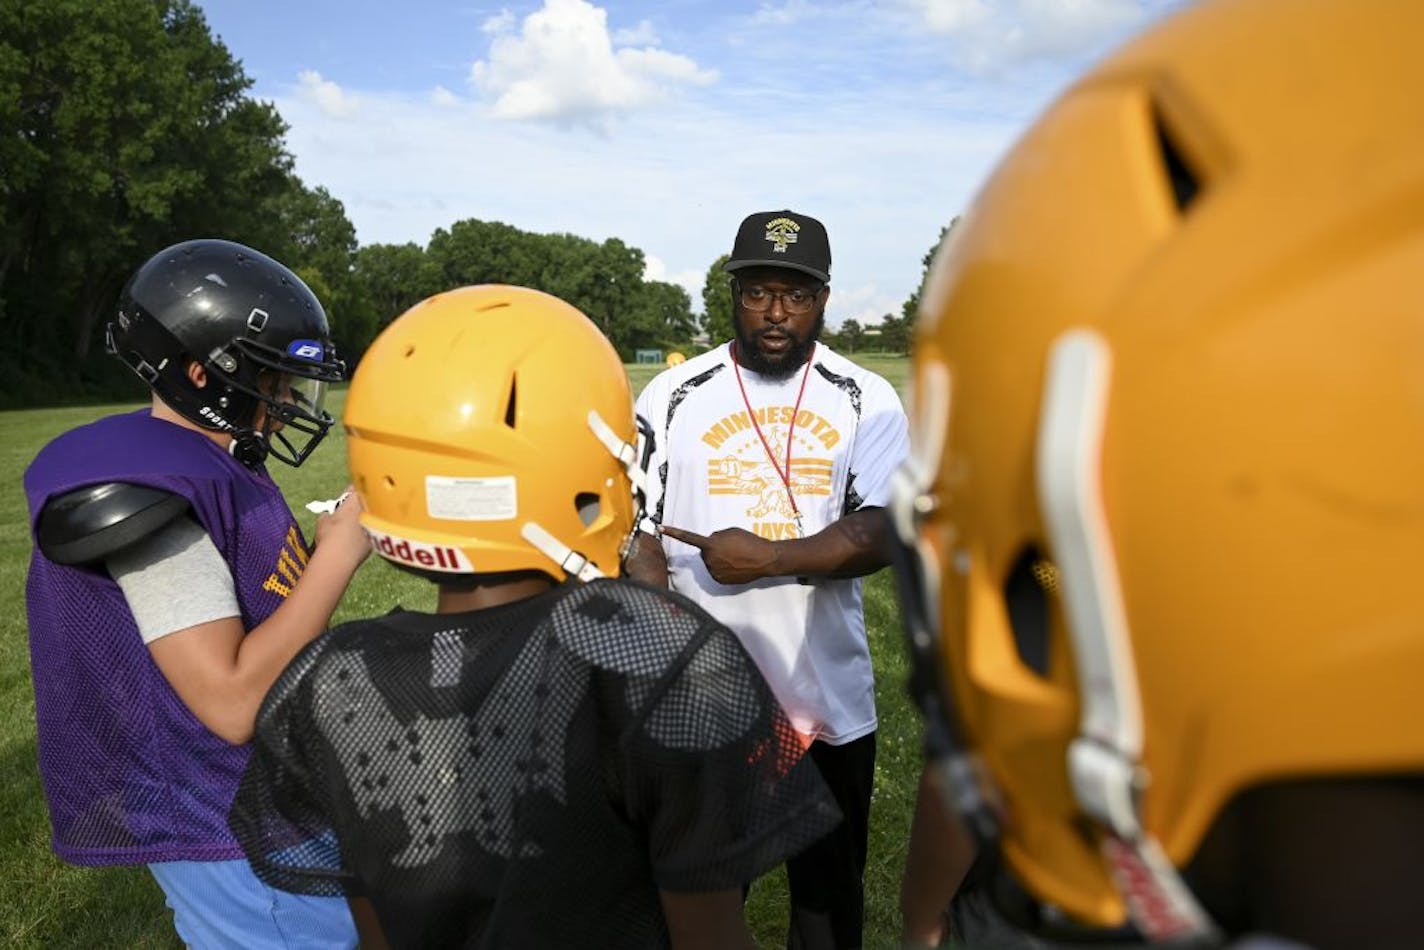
710 470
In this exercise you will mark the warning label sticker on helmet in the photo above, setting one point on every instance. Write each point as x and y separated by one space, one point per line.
471 499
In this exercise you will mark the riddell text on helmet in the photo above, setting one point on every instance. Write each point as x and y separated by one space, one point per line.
431 557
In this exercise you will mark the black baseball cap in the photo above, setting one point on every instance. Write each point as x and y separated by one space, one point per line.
782 239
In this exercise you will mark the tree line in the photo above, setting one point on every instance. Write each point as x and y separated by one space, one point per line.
126 126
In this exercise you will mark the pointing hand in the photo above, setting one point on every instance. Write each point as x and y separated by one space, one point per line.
732 555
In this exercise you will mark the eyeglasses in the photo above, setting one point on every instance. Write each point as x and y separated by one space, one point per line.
758 299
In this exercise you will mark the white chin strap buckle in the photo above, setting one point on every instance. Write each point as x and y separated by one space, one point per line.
625 453
570 561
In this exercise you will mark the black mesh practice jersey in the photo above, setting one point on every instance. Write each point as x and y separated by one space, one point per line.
529 775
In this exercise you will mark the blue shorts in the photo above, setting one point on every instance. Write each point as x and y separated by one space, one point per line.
221 904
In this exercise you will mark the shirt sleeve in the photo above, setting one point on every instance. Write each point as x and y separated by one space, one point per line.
174 579
653 409
881 445
717 777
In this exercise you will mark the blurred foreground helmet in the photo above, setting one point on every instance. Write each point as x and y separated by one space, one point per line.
490 429
1160 527
253 325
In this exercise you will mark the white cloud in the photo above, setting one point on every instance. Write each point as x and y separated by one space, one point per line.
562 65
785 13
870 128
641 35
986 37
501 22
951 16
326 95
674 184
1054 27
660 64
866 304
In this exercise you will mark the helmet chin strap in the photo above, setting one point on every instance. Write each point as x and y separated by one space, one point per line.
626 454
570 561
1105 760
249 448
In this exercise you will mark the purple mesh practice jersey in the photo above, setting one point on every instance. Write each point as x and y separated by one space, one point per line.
131 775
529 775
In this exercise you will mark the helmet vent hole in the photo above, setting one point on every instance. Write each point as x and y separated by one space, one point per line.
588 506
511 407
409 350
1028 591
390 482
1185 183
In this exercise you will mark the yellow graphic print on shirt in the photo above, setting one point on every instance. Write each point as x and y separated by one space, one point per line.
290 562
746 470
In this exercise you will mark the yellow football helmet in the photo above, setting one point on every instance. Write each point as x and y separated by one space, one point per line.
491 429
1167 483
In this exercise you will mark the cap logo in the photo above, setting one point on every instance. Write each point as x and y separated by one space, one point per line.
781 232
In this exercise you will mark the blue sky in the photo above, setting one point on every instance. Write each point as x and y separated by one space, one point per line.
665 123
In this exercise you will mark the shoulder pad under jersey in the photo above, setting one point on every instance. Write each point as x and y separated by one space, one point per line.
86 525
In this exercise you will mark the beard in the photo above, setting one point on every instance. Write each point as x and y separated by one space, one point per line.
783 364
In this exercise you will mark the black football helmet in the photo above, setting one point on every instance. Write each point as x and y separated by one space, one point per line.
256 328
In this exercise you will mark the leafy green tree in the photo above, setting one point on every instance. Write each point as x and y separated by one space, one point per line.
894 334
321 246
665 319
911 307
391 278
717 303
617 278
125 126
851 336
604 280
317 230
485 252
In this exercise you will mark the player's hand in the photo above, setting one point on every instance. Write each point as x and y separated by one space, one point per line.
732 555
341 530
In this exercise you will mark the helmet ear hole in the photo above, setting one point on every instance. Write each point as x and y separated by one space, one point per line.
1028 590
511 407
588 506
1184 182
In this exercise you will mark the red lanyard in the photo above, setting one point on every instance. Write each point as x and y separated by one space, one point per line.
791 431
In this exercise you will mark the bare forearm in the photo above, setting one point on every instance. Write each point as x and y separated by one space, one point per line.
855 545
851 547
271 645
222 672
706 921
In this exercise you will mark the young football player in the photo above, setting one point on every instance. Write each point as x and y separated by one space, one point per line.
555 757
170 585
1167 494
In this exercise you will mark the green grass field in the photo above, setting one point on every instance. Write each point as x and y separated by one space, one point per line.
49 904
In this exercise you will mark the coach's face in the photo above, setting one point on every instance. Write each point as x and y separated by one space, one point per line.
779 315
